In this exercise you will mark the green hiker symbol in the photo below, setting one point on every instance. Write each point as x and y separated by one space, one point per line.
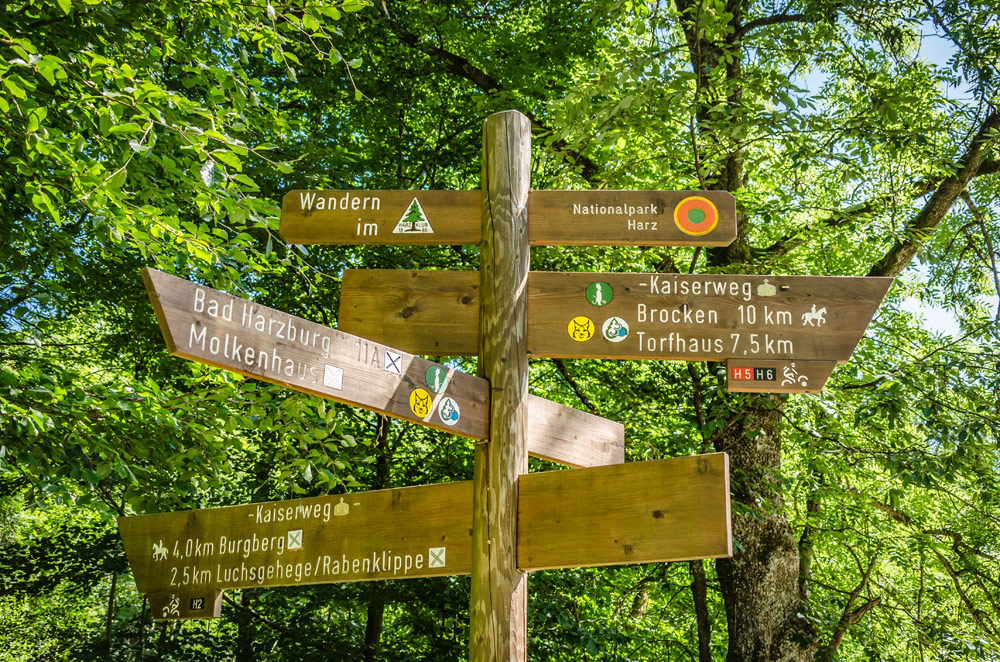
436 378
599 293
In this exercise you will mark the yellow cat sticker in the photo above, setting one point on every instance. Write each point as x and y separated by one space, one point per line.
420 403
581 328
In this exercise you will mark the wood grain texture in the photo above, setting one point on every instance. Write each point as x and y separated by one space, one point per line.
388 304
639 512
346 538
208 326
499 598
762 376
572 437
662 510
371 217
626 218
183 605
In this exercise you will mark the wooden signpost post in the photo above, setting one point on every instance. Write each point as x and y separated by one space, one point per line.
776 332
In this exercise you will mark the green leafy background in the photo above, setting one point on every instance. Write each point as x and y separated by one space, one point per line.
165 134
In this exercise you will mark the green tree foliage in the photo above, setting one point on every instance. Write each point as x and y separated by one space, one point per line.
165 134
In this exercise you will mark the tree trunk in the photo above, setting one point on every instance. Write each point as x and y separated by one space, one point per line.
142 629
699 591
373 624
110 614
376 596
246 631
760 584
161 642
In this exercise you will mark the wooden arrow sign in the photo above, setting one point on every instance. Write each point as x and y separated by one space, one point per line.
423 531
212 327
776 319
381 217
631 218
642 512
595 218
699 317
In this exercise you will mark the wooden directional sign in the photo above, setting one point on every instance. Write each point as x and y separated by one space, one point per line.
699 317
642 512
212 327
572 437
631 218
381 217
623 218
184 605
427 312
777 319
420 531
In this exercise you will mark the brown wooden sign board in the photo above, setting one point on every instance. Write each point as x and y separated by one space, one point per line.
423 531
592 218
572 437
631 218
699 317
381 217
212 327
435 313
627 316
785 376
641 512
184 605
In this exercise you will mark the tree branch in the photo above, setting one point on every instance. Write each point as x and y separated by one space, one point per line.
991 254
925 222
277 627
851 615
846 217
806 543
561 366
979 616
777 19
462 67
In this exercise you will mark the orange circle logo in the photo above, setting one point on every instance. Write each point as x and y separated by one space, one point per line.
696 215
